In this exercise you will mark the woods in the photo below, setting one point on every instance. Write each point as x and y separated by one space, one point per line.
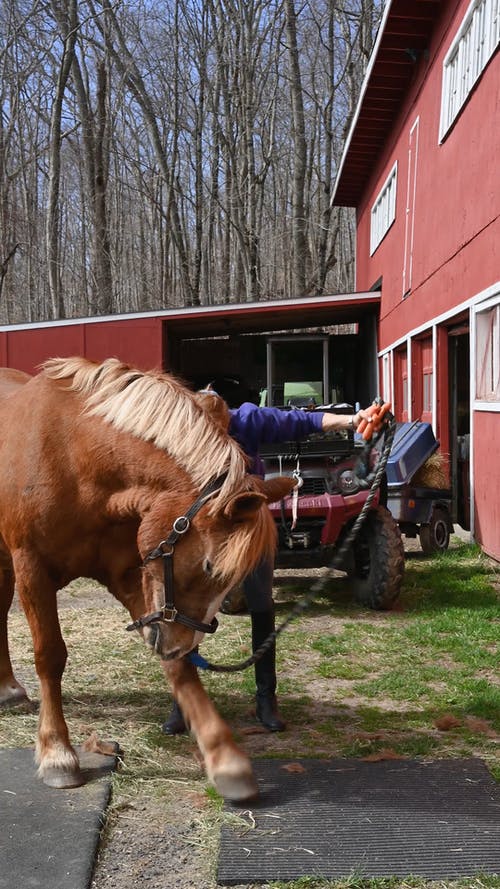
174 154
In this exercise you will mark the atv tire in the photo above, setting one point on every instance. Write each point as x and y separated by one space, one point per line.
376 569
435 536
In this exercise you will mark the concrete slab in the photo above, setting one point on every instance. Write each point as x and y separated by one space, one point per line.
49 838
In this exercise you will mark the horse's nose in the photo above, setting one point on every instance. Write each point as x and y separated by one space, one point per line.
156 640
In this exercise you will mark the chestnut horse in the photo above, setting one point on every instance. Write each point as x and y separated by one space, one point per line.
105 471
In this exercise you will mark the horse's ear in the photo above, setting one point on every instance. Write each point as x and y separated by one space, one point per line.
242 507
276 488
216 407
127 504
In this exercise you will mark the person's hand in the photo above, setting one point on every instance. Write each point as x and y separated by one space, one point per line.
370 420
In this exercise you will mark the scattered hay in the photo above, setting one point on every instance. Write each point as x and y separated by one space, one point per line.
447 722
433 474
478 726
382 755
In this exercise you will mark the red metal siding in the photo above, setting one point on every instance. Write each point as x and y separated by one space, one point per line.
453 229
137 341
455 250
401 385
26 349
422 380
487 482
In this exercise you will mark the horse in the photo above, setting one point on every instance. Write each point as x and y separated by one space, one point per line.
106 471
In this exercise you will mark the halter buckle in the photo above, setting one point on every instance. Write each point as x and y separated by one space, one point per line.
169 614
181 524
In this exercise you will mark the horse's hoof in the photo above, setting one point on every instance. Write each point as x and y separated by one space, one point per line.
12 697
62 779
236 788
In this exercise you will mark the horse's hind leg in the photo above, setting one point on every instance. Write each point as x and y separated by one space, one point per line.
11 691
57 760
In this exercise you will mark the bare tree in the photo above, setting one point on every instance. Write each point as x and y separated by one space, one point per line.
299 258
180 153
67 15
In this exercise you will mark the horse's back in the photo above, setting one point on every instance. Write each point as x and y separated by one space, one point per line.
11 381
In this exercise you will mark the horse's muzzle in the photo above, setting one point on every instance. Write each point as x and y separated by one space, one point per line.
154 638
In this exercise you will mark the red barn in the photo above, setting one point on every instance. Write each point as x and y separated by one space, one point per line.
421 167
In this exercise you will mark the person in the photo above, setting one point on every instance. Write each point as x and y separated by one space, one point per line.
252 426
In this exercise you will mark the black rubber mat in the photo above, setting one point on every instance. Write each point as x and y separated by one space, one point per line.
336 818
49 838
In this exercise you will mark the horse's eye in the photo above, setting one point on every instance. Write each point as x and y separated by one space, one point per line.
207 566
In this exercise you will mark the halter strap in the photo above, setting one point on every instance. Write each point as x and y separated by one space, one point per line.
165 551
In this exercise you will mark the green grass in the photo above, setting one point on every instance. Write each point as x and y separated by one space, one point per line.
352 683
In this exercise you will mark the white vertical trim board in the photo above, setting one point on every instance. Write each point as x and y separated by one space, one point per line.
411 189
409 342
434 377
472 386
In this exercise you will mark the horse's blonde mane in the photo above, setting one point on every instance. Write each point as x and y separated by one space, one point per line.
158 408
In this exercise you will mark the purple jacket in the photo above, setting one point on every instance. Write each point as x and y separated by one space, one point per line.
252 426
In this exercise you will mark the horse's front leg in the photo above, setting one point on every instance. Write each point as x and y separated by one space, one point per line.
11 691
227 767
58 763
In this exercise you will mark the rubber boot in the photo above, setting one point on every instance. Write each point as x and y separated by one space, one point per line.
265 673
175 724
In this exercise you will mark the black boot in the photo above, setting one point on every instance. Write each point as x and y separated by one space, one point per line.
265 672
175 724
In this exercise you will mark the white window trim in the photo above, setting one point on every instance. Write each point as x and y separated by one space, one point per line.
478 37
383 212
485 305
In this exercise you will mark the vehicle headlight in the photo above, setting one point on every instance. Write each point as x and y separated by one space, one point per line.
347 482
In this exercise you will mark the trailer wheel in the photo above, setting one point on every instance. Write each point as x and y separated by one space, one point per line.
377 565
435 536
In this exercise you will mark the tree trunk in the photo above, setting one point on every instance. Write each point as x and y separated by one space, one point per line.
299 261
55 140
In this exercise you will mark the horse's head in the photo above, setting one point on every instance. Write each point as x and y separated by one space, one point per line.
190 564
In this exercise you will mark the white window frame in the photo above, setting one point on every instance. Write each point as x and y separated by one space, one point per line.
487 337
475 42
383 211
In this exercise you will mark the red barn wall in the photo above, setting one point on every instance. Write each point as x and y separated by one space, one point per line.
138 341
25 349
487 482
456 242
456 246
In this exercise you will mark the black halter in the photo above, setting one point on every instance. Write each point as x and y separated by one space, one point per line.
165 550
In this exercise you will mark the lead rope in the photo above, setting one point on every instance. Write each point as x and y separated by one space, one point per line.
299 481
319 585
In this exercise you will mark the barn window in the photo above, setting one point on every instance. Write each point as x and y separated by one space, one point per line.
383 210
488 354
427 380
470 52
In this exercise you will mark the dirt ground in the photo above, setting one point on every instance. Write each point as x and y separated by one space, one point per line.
165 842
155 845
172 842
